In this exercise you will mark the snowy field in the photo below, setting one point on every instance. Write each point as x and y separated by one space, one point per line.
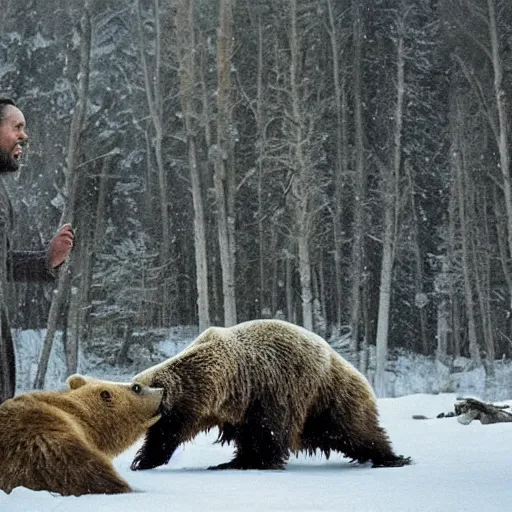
456 468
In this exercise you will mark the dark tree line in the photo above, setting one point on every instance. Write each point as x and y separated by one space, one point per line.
341 164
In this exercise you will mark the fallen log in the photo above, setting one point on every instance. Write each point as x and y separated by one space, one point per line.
469 409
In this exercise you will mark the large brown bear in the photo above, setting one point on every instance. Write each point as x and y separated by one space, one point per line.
64 441
271 388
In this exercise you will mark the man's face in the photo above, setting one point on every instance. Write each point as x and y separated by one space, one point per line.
12 135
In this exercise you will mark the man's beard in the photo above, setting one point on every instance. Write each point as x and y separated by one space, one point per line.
8 163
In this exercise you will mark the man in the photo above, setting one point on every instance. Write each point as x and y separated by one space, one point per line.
34 266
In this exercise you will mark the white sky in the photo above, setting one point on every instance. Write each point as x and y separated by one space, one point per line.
457 468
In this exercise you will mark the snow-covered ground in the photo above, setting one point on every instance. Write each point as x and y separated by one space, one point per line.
456 468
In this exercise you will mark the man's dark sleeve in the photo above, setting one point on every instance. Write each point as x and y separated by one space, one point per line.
7 361
29 266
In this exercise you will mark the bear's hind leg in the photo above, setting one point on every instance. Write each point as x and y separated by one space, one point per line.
260 443
95 477
359 440
85 471
373 445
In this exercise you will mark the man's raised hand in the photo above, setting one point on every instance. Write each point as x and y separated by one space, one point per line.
60 246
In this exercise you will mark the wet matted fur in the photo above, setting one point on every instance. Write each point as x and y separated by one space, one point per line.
271 388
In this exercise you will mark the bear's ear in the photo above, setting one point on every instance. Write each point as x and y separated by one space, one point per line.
76 381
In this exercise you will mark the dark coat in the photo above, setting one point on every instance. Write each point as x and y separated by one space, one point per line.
14 266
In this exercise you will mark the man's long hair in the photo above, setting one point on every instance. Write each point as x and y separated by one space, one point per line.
5 101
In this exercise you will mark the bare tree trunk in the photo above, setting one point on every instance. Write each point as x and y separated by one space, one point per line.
70 191
152 83
186 42
305 281
290 305
224 176
262 216
456 326
364 346
83 256
384 309
322 295
460 171
418 257
277 276
392 198
454 306
482 270
360 191
212 242
203 303
442 330
341 164
300 189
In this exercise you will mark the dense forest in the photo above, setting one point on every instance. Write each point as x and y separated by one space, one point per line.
342 164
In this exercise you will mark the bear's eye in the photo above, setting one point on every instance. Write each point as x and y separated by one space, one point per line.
105 395
137 388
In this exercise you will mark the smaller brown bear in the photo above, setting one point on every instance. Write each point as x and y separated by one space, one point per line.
64 441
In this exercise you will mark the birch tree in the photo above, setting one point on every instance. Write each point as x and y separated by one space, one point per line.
187 51
223 158
360 187
391 182
259 114
300 189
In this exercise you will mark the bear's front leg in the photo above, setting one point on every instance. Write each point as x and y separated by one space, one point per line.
261 441
161 441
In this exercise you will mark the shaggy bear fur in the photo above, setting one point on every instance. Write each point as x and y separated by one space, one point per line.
64 441
271 388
